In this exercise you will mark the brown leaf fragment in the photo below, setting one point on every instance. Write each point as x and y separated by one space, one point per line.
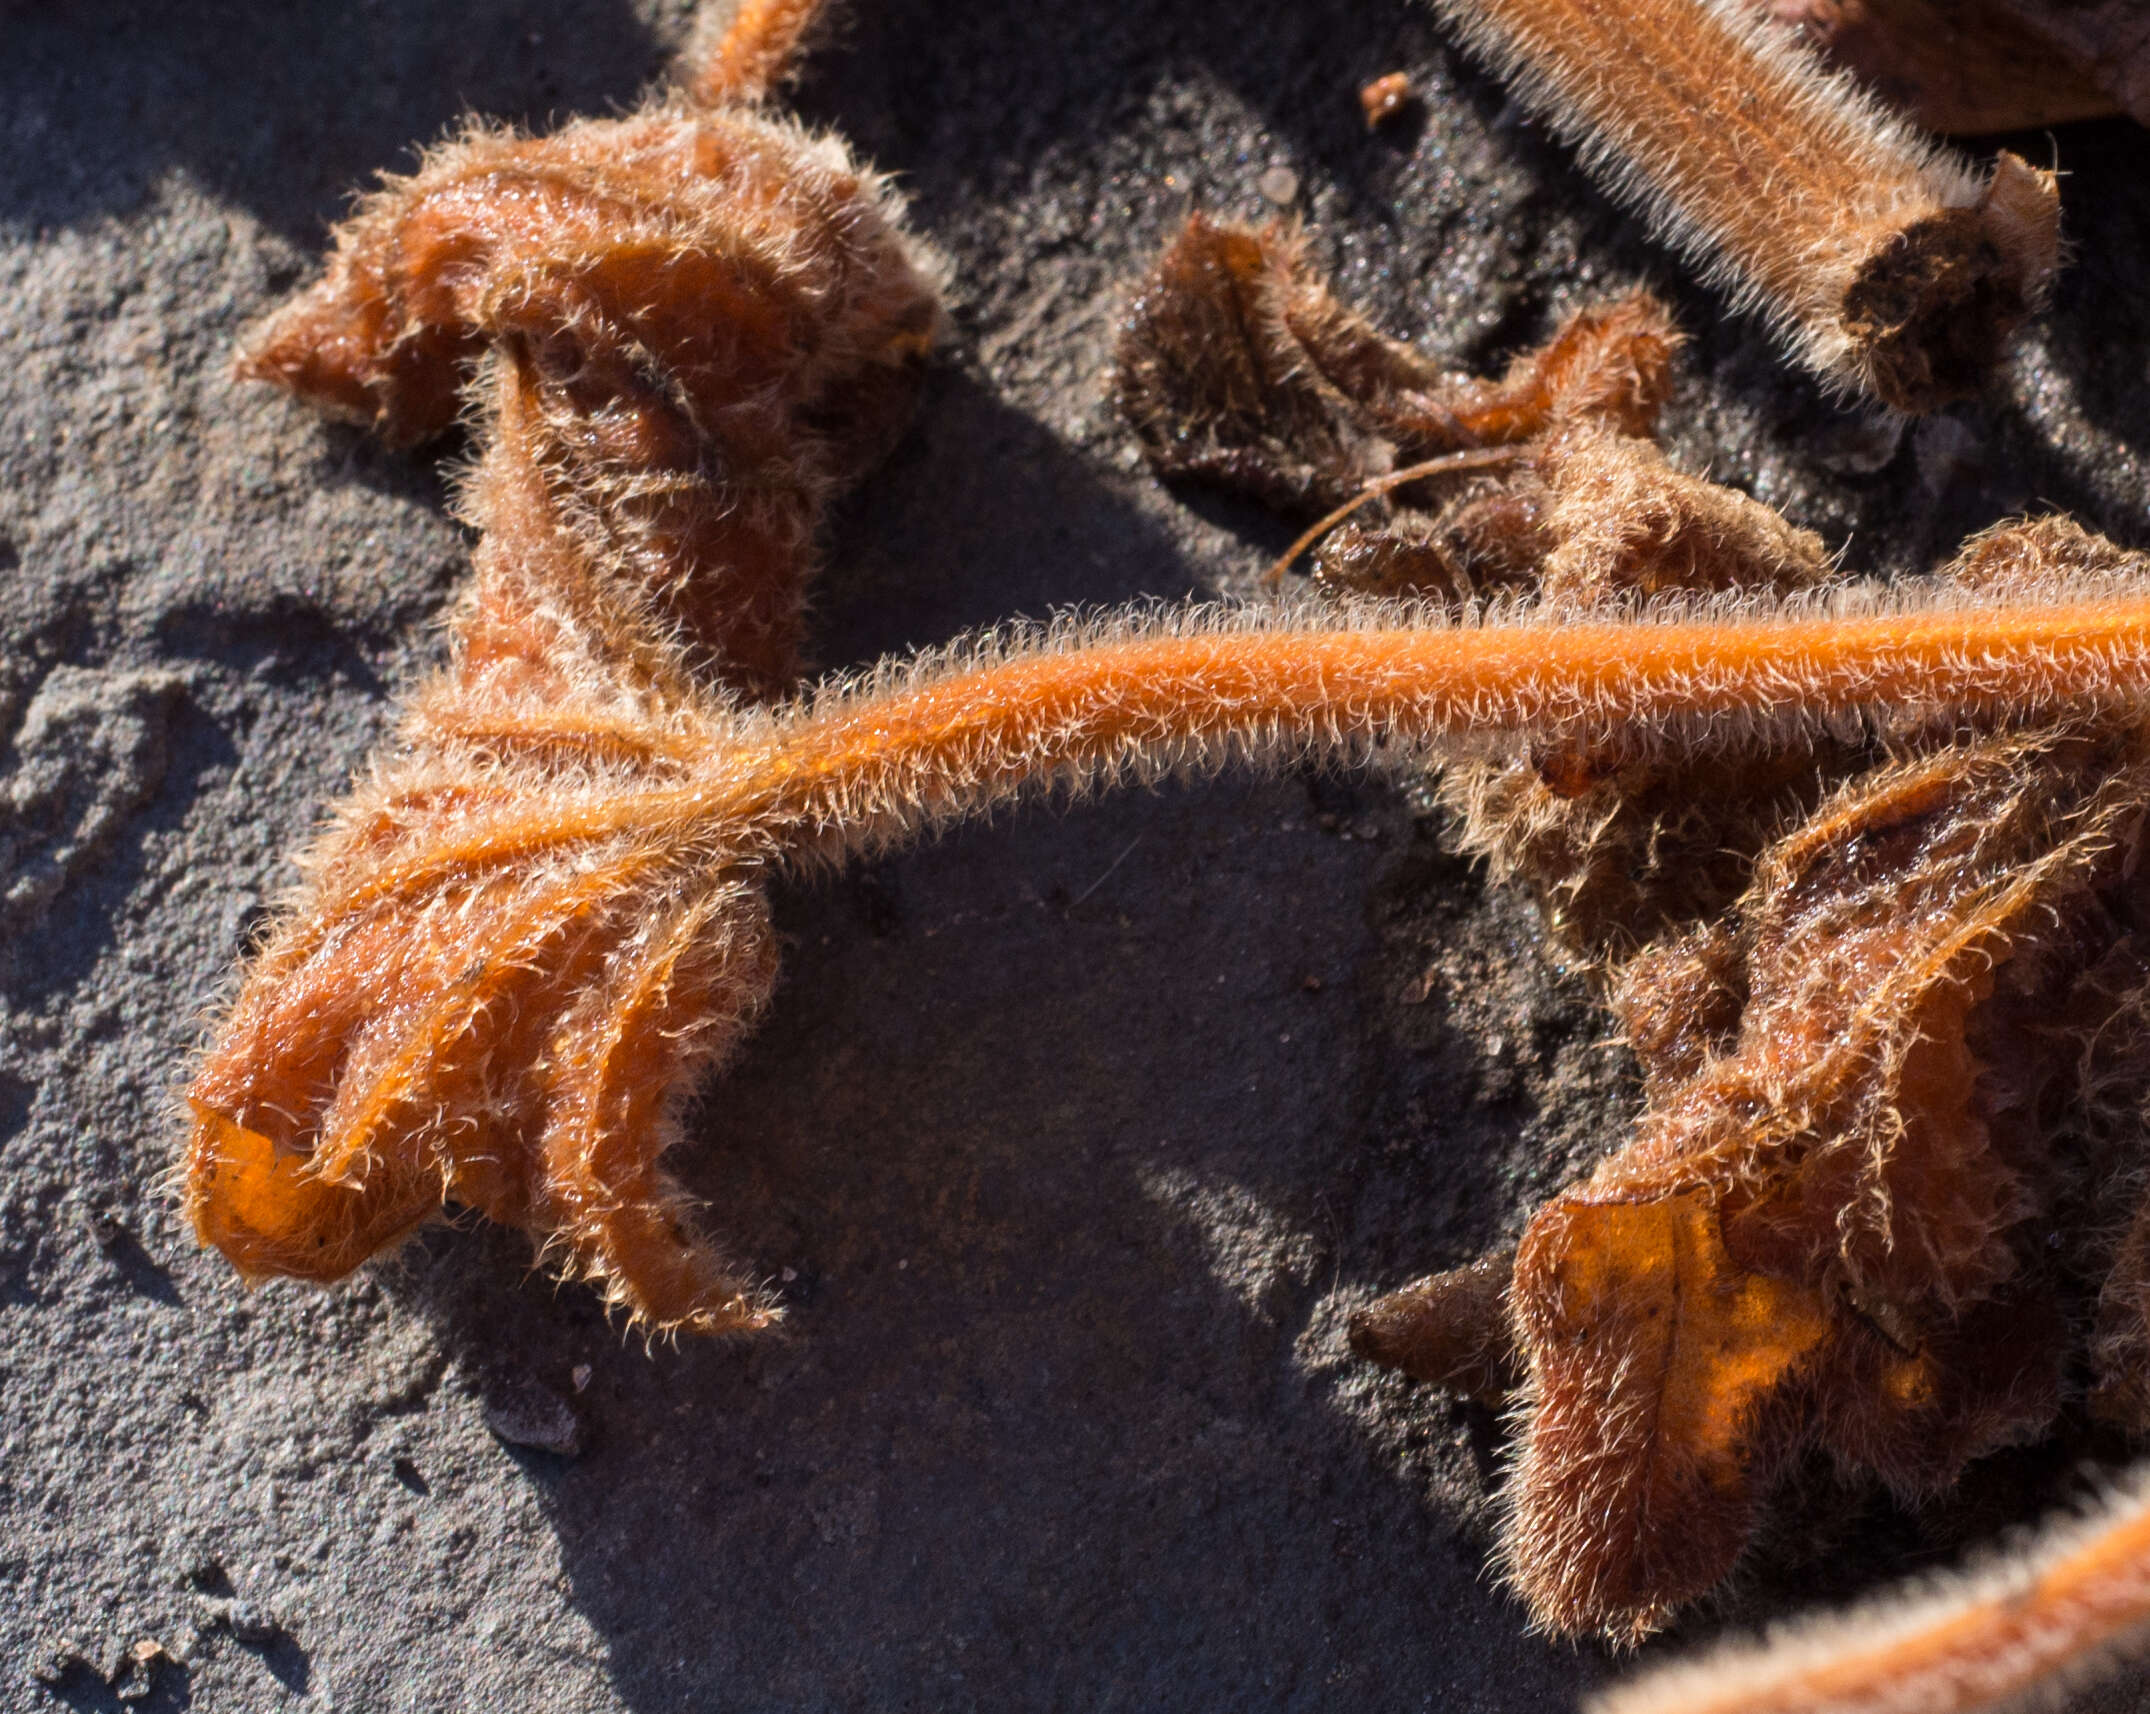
2031 554
1661 1373
704 326
1450 1329
1237 366
1212 381
1844 1093
1851 1123
1623 521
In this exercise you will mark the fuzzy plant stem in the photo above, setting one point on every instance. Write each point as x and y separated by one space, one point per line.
747 56
1888 264
529 934
863 766
1984 1640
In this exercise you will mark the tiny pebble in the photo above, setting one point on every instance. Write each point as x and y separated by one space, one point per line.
525 1412
253 1623
1279 185
135 1677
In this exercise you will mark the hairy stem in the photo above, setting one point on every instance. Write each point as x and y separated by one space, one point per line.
862 769
1973 1643
1886 262
759 47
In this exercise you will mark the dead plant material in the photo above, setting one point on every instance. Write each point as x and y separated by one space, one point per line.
543 917
1386 98
1449 1329
1231 371
1827 1232
1238 366
1884 987
1886 264
686 331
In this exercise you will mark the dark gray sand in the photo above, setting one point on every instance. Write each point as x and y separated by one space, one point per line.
1071 1140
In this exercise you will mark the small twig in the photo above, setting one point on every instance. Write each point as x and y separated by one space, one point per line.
1478 458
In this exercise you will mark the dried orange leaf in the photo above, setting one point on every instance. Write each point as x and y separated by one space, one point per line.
1658 1367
